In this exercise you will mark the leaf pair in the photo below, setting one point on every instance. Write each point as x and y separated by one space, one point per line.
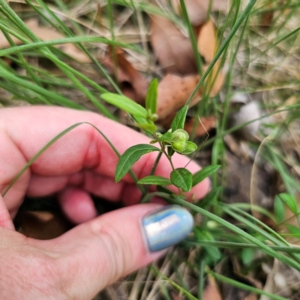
180 177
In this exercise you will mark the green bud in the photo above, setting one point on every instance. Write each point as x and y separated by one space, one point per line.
179 146
180 135
153 117
190 148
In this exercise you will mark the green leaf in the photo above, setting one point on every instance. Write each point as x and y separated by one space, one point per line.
130 156
179 120
295 231
152 179
205 172
125 103
247 255
210 197
204 235
151 96
278 210
290 202
163 189
182 178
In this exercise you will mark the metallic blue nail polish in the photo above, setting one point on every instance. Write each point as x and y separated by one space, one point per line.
166 227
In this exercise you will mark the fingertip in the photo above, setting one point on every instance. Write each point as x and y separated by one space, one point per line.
77 205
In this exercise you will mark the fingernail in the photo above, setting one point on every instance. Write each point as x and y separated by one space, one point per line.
167 227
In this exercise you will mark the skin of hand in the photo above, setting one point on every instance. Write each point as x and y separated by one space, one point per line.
101 249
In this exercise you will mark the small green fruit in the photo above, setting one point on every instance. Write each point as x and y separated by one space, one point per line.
190 148
180 135
179 146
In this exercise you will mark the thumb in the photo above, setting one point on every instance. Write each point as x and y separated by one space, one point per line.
99 252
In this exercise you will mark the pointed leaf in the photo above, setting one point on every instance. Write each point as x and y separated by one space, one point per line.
278 210
129 157
290 202
179 120
158 180
247 255
125 103
210 197
182 178
294 230
151 96
205 172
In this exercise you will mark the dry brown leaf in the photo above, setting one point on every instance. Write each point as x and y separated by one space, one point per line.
42 225
206 124
211 291
131 82
173 92
251 297
207 45
47 34
214 81
198 9
172 49
176 297
268 16
207 41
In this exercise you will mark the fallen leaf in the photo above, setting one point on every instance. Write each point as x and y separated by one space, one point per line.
99 18
173 92
268 16
131 82
251 297
207 46
172 49
176 297
198 9
47 34
214 81
42 225
206 124
211 291
207 41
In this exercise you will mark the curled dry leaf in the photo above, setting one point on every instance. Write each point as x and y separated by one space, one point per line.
172 49
47 34
131 82
173 92
198 9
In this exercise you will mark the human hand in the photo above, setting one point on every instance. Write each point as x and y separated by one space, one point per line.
101 249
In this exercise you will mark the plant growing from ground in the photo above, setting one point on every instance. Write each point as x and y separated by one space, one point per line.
175 140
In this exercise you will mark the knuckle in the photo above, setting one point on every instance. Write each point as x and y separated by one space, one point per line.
117 250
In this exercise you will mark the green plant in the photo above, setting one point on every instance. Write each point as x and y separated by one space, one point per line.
176 139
